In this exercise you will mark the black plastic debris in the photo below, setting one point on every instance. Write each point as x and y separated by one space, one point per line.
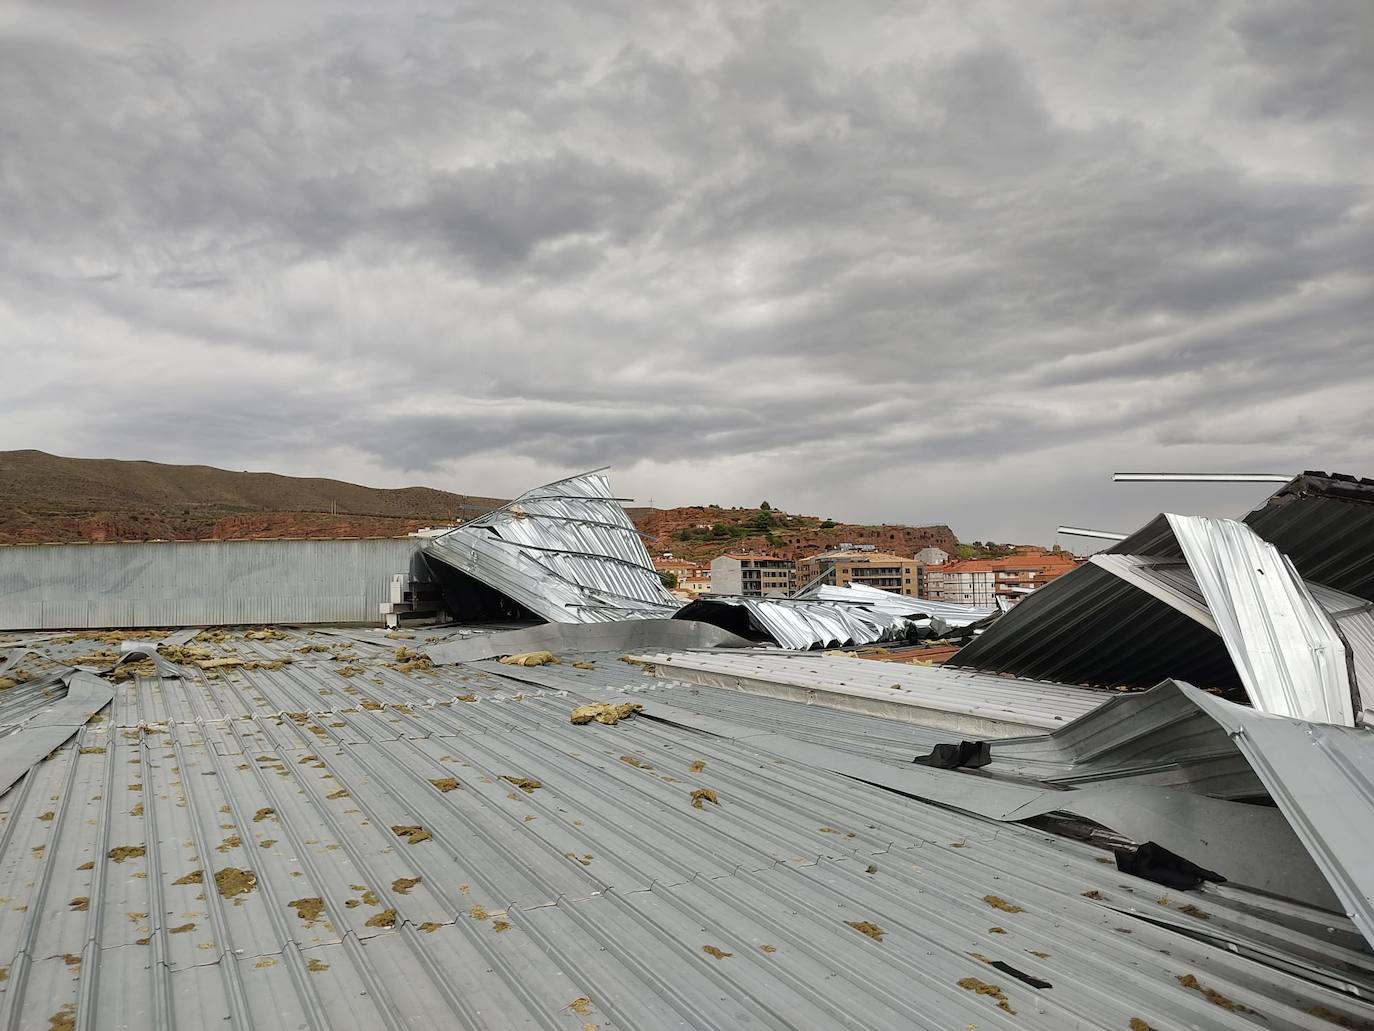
1158 864
970 754
1021 975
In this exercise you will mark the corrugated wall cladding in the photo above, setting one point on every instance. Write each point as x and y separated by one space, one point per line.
197 583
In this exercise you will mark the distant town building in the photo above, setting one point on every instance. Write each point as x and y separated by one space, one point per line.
681 568
754 576
694 585
845 566
980 581
928 557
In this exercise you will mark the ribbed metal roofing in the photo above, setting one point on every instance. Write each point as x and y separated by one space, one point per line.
798 624
952 613
934 696
565 551
283 847
1230 599
1324 524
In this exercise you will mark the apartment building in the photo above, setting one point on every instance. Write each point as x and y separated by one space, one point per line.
981 581
886 572
754 576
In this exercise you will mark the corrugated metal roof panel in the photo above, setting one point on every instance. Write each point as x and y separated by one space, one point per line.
591 899
797 623
1284 645
565 551
1320 776
952 613
934 696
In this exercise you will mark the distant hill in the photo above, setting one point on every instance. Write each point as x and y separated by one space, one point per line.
46 497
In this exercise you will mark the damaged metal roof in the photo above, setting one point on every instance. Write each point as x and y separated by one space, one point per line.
799 624
355 839
1231 610
951 613
566 552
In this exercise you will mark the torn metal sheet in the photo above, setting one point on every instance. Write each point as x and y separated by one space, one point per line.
1157 737
566 552
133 651
1228 612
1322 778
798 624
951 613
48 728
1248 844
631 635
1285 647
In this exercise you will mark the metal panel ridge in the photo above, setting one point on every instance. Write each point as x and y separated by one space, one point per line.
1286 648
566 551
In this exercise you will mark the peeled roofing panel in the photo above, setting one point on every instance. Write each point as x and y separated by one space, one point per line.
1322 777
1285 647
566 551
800 625
952 613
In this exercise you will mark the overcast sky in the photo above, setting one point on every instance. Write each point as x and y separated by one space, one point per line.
915 262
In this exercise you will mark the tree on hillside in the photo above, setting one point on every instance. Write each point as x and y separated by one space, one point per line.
764 520
765 507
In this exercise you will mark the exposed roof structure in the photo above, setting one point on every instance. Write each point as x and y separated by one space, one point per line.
1230 612
566 552
1324 524
355 839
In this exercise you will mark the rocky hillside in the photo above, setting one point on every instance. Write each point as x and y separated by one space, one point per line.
703 533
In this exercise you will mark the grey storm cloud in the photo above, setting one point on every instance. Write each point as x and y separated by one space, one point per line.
931 262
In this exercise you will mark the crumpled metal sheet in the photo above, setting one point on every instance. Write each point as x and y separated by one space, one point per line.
48 728
951 613
801 625
1286 648
1319 775
566 551
1235 613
